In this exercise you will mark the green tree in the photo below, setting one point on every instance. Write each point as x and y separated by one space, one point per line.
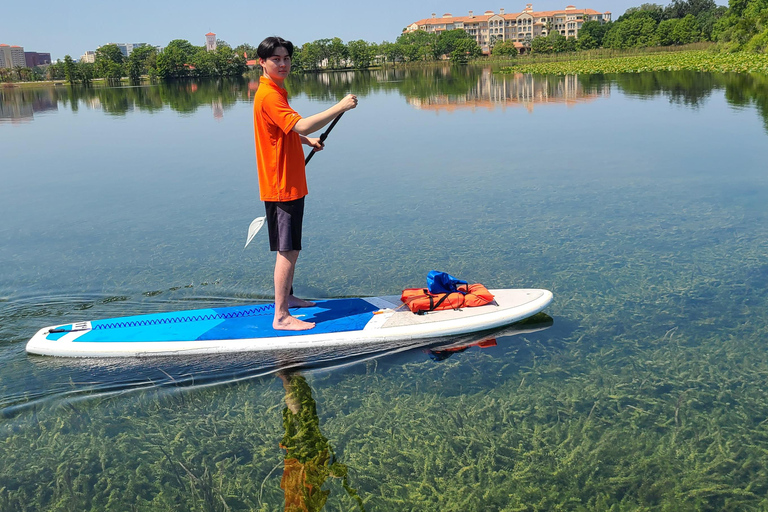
505 49
559 41
679 9
686 31
171 63
758 43
70 70
418 45
308 56
203 62
109 62
227 62
541 45
186 48
360 53
664 32
464 50
635 30
247 51
449 40
337 53
393 52
86 71
592 33
744 20
140 61
708 19
655 11
55 71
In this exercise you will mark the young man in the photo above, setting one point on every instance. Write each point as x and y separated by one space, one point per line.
280 131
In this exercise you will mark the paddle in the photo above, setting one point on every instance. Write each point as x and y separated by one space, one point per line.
258 222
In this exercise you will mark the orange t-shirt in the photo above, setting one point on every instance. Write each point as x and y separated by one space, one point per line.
279 155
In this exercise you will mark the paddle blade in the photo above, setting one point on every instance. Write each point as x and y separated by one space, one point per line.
254 228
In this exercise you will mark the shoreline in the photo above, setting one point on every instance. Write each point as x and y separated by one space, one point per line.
687 60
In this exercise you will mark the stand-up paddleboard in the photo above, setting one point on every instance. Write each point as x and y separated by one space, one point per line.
369 322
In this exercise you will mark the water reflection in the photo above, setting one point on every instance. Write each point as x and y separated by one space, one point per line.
309 458
21 106
494 90
430 87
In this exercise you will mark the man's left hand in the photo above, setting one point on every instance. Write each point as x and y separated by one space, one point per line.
315 143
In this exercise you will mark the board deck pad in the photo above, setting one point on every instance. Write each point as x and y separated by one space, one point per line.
347 321
237 322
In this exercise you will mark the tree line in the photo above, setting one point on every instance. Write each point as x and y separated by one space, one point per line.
456 45
179 59
742 26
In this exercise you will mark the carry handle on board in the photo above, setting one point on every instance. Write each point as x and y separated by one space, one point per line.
256 223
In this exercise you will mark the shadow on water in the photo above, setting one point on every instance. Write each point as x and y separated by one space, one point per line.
95 378
436 87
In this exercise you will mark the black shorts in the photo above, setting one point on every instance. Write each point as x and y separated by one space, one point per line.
284 220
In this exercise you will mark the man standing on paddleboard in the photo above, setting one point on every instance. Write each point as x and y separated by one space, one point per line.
279 132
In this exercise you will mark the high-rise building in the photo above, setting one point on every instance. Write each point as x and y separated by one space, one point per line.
210 41
127 48
12 56
89 56
34 59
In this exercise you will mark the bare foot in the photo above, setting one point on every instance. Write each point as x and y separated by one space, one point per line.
290 323
295 302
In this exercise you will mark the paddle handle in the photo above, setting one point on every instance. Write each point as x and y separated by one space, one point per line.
323 136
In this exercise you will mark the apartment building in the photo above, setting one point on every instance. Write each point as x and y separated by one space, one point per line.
12 56
491 27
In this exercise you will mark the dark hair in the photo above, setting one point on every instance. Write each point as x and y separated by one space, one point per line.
269 45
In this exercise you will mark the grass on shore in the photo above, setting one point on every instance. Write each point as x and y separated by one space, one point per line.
601 62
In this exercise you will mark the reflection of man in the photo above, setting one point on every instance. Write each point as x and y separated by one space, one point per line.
309 459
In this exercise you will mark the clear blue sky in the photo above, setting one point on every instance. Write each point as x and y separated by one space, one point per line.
63 28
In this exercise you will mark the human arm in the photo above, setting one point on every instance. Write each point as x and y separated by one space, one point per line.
313 142
311 124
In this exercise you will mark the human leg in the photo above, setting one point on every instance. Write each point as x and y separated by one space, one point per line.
285 265
284 221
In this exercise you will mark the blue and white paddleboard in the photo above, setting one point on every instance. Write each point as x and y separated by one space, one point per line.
358 322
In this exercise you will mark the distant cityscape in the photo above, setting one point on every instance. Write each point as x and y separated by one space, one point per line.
14 56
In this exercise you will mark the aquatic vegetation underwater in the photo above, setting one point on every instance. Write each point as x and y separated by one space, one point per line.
618 411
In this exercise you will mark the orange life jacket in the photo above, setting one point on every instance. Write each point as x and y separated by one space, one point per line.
420 301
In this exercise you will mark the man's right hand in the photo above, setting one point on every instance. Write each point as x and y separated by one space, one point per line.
348 103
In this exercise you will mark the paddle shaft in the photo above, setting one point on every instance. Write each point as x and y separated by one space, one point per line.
323 136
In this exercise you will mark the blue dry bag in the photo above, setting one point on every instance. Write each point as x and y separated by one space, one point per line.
440 282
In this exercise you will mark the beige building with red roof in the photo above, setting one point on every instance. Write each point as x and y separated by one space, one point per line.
491 27
210 41
12 56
